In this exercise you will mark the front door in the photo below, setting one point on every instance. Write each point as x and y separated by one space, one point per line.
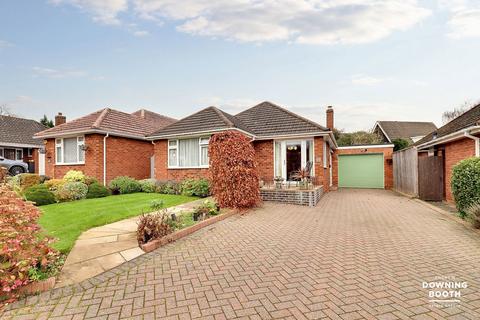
293 158
292 155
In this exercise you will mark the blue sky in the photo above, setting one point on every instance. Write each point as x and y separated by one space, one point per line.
372 60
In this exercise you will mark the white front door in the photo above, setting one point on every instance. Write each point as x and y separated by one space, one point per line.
292 155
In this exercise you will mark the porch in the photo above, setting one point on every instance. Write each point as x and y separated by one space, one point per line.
292 192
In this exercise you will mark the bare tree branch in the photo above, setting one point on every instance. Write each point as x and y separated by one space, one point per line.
448 116
5 110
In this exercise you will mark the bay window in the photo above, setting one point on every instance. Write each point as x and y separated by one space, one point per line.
188 153
70 150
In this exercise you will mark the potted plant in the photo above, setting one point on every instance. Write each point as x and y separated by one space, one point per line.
278 182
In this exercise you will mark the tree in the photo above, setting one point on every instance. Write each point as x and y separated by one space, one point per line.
233 172
359 138
448 116
400 144
5 110
46 122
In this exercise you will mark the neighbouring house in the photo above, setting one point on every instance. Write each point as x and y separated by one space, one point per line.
17 142
283 141
104 144
412 131
442 149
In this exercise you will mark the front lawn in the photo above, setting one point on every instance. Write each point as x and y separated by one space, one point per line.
67 220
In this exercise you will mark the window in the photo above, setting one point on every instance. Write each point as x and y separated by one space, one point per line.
70 150
188 153
30 152
19 154
1 152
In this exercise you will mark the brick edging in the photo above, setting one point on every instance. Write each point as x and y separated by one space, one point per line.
157 243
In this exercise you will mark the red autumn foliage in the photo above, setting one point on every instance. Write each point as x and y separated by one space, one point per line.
21 244
234 177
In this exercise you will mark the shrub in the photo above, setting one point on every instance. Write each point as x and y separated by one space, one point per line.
90 180
205 210
74 176
23 181
156 205
148 185
474 214
169 187
96 190
233 171
23 246
153 226
54 184
466 184
44 178
71 191
124 185
195 187
40 195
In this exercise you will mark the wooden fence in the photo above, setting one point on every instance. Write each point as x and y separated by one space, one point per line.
405 171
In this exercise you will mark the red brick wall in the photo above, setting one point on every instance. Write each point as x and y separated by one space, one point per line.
125 156
161 166
388 163
454 153
264 159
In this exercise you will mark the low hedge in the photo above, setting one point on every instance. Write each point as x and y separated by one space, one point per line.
195 187
40 195
148 185
96 190
466 184
124 185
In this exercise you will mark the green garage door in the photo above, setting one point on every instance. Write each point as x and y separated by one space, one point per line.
360 171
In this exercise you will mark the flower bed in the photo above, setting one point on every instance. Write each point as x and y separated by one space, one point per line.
159 228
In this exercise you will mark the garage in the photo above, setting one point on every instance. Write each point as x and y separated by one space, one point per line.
361 170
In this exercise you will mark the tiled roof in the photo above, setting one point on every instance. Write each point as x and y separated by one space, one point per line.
262 120
19 131
268 119
406 129
468 119
112 121
207 119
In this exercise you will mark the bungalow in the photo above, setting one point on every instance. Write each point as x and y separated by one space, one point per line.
412 131
283 141
457 140
97 143
17 143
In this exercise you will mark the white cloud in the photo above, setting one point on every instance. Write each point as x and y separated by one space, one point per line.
103 11
465 23
302 21
141 33
56 73
5 44
364 80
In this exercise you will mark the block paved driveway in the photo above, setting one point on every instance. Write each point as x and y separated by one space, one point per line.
359 254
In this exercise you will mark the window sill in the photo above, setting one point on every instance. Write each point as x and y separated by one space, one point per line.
70 164
180 168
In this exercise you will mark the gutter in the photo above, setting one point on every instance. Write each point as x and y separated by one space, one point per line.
105 159
449 137
477 143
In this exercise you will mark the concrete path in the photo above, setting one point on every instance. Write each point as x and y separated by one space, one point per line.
103 248
360 254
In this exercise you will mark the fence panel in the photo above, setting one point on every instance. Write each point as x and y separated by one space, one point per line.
405 171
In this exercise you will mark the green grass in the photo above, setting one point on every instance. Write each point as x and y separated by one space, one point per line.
66 221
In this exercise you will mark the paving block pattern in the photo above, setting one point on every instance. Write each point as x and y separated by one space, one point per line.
360 254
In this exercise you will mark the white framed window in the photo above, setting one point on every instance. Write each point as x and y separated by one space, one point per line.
30 152
19 154
188 153
1 152
70 150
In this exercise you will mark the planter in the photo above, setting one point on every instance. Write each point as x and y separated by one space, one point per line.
38 286
157 243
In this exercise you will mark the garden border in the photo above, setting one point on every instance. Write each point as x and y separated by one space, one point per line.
157 243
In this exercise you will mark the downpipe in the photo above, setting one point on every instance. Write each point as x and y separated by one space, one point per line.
105 159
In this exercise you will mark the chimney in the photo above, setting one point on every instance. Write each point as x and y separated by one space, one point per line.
60 119
330 124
